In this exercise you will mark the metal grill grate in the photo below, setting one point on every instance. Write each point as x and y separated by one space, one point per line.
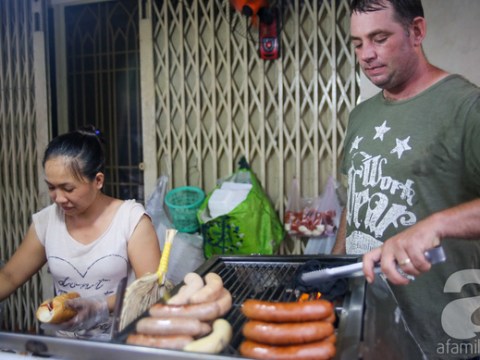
259 277
263 278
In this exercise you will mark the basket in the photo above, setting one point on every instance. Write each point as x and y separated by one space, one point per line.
183 204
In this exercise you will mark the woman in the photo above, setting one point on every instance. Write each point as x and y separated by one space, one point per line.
90 240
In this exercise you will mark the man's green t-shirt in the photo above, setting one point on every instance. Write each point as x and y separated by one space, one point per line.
405 160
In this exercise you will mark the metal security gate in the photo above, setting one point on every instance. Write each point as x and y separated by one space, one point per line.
97 46
216 100
23 129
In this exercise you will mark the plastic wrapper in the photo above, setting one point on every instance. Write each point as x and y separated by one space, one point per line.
91 311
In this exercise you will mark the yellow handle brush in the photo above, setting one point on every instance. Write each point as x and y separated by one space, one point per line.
163 266
146 290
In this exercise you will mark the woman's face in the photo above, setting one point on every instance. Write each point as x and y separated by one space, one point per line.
73 195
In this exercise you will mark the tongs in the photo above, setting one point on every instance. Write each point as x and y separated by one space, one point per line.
434 256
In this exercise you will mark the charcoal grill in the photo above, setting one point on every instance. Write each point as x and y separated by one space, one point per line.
246 277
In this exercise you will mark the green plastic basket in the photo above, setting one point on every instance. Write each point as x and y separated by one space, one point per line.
183 203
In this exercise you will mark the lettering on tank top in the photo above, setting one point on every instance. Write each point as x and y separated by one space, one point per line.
69 283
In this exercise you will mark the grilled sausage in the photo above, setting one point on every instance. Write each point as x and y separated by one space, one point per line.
287 333
216 341
55 311
210 292
283 312
172 326
176 342
193 283
332 338
331 318
203 312
320 350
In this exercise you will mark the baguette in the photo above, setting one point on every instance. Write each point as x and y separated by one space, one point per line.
54 311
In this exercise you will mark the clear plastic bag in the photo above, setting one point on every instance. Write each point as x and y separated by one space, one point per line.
312 217
186 254
330 205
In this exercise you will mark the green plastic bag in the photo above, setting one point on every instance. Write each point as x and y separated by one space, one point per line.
252 227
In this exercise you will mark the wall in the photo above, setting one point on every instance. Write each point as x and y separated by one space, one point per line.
452 39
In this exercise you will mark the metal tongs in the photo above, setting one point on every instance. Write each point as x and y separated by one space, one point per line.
434 256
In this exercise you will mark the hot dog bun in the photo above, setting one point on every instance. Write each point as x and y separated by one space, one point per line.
54 311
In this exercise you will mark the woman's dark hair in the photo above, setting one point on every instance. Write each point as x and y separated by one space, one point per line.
405 10
83 150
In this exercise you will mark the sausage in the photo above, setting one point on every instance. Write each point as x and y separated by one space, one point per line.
224 302
210 292
332 338
320 350
287 333
282 312
331 318
193 283
172 326
204 312
176 342
55 311
216 341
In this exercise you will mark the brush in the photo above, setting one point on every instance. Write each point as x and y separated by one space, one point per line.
148 289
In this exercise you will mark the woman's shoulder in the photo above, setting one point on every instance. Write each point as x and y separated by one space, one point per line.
132 204
47 211
130 209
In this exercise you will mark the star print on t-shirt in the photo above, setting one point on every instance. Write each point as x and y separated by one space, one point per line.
402 145
381 130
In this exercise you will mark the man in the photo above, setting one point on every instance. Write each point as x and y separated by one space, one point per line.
412 159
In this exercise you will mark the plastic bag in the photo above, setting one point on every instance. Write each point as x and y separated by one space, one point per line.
251 227
312 216
186 253
329 204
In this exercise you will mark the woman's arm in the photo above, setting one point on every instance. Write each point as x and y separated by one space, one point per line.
27 260
144 248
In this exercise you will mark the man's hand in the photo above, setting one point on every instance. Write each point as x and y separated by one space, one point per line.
406 251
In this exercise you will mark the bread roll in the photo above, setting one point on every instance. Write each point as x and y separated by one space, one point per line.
54 311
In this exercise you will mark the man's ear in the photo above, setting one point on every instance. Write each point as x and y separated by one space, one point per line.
419 30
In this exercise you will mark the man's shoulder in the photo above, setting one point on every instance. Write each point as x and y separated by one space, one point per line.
459 84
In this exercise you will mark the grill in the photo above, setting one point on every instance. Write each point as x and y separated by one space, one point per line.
272 278
263 278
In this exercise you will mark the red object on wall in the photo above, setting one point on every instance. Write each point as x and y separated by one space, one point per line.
269 42
250 8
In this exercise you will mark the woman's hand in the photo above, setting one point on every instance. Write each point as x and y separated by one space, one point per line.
91 311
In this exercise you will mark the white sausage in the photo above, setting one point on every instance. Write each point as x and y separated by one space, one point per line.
172 326
193 283
210 292
216 341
